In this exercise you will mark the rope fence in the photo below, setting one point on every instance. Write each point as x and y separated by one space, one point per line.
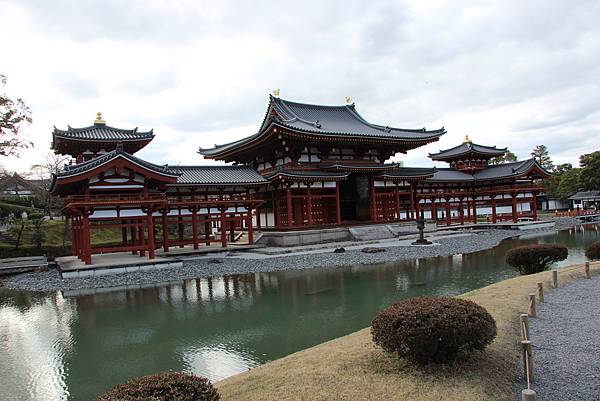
529 394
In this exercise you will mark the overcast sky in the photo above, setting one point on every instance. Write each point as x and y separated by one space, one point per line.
508 73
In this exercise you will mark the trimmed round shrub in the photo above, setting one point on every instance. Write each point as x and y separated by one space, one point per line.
593 252
530 259
165 386
433 329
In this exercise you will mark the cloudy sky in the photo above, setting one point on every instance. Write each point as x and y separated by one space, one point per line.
508 73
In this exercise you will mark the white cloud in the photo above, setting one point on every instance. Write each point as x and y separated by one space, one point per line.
507 73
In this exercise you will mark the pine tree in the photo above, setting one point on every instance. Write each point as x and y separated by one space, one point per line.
541 155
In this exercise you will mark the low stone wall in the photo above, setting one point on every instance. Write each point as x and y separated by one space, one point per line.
304 237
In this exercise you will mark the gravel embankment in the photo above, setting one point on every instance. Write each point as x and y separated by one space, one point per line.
220 265
566 350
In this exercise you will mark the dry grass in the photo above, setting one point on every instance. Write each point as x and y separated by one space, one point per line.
352 368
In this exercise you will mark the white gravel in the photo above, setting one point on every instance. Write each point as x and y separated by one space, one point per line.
566 344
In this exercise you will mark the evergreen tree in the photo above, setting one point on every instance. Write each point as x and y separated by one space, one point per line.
540 153
590 171
505 158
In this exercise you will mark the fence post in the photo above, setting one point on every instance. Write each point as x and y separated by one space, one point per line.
528 395
527 361
531 312
588 274
524 326
540 292
554 278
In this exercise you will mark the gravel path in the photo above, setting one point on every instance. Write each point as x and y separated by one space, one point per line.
566 343
219 265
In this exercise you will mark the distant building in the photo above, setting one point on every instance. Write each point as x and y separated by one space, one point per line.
585 199
16 185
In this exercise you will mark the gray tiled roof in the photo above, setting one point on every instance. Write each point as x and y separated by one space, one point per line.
585 195
466 148
306 174
75 169
409 172
228 175
329 121
450 174
101 132
506 170
355 166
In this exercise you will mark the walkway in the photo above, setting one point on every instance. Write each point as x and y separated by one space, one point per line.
566 343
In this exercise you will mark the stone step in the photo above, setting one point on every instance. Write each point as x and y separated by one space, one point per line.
371 233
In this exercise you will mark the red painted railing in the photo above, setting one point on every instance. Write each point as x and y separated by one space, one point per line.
577 212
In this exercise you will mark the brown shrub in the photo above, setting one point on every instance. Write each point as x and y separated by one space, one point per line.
163 387
593 252
432 329
530 259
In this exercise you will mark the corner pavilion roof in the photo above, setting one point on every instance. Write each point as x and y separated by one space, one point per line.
496 172
327 122
468 148
100 135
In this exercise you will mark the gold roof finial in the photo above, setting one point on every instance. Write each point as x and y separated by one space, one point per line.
349 100
467 140
99 120
276 92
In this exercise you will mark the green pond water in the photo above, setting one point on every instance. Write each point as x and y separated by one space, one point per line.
59 347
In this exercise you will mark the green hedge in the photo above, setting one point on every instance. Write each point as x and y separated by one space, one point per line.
536 258
49 250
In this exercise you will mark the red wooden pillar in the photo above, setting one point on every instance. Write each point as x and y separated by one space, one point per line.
494 214
258 225
474 211
514 207
133 235
123 233
534 206
141 237
309 205
150 225
338 213
195 228
433 210
223 229
468 210
461 211
74 249
249 226
165 228
276 208
180 228
290 212
397 193
87 243
412 202
373 202
448 212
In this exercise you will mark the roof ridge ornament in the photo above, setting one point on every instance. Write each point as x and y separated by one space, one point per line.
276 92
349 100
99 120
467 140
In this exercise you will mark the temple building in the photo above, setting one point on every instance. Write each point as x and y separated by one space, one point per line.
308 166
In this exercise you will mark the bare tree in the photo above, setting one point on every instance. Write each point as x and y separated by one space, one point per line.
14 114
43 173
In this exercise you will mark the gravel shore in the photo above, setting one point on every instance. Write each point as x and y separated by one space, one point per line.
566 351
226 265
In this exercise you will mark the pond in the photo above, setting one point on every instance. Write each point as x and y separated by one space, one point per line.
58 347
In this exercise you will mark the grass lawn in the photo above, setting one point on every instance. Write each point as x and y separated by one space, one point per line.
55 232
352 368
